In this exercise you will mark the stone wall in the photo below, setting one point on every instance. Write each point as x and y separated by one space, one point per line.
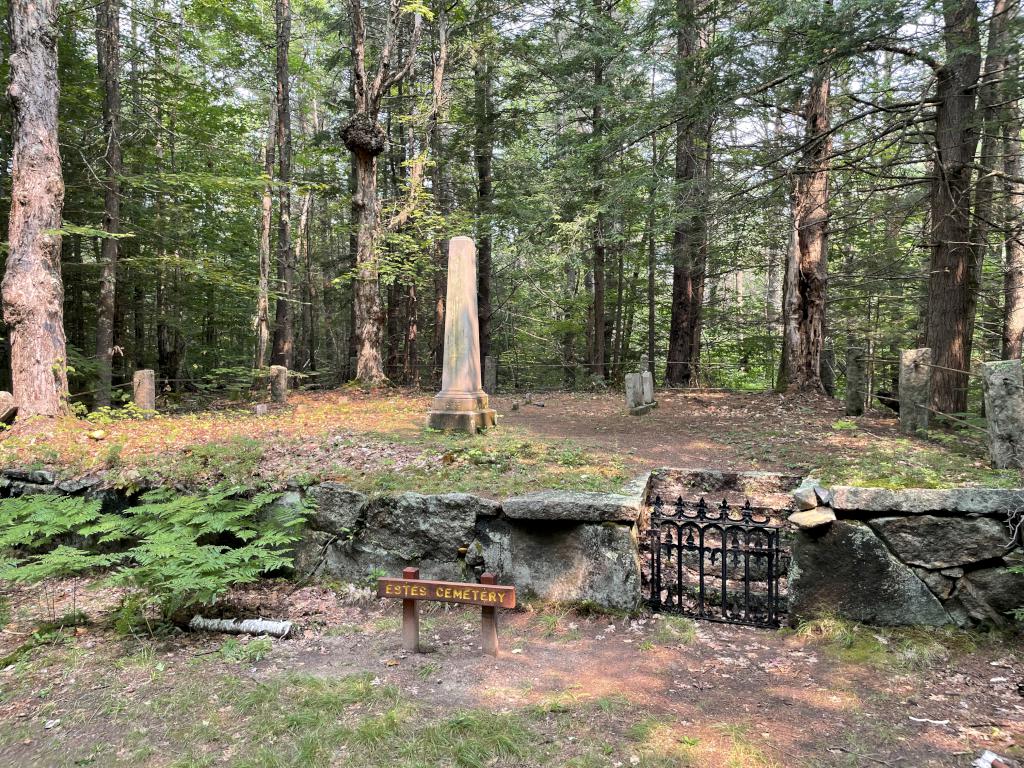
905 557
556 545
882 557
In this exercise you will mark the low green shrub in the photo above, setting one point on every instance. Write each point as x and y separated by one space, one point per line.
172 551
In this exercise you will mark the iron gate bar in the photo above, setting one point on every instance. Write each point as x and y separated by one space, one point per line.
760 541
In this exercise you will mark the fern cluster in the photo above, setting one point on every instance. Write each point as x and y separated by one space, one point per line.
175 551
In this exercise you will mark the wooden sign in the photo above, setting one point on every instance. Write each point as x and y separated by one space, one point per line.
410 589
448 592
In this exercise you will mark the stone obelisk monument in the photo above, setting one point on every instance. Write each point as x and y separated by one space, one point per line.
461 405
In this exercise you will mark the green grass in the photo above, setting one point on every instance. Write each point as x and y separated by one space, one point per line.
898 648
251 652
905 463
674 630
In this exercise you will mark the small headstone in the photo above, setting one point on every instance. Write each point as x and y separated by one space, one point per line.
854 381
144 390
490 375
8 410
279 384
1003 384
915 389
635 395
647 384
645 363
262 409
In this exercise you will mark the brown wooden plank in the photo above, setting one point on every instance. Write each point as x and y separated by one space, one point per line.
447 592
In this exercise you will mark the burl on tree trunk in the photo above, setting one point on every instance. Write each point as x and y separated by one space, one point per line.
33 295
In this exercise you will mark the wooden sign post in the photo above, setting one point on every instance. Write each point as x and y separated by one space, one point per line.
410 589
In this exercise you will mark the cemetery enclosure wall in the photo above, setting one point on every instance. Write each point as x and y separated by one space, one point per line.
872 555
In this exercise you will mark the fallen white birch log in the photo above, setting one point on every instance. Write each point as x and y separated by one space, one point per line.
244 627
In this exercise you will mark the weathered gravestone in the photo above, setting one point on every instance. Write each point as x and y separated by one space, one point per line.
490 375
1003 383
635 395
279 384
854 381
915 389
144 390
461 405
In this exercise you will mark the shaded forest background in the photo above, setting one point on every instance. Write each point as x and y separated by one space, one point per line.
671 179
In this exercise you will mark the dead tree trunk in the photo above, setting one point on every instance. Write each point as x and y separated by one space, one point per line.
108 57
952 283
284 343
33 295
806 277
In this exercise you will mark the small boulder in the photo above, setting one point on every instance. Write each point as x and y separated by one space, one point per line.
8 410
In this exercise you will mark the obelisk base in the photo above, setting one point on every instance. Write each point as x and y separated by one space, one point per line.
461 421
461 412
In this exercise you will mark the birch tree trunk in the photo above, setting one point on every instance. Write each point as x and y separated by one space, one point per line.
33 295
108 57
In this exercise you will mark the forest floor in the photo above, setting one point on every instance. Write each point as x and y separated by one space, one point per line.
377 441
569 689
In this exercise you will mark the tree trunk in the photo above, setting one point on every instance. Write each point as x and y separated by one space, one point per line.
33 295
806 277
364 137
369 309
1013 207
284 343
108 57
483 150
690 230
267 213
952 283
597 314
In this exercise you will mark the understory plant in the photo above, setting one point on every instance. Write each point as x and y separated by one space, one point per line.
171 551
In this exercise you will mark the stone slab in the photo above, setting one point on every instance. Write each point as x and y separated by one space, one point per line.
942 542
978 501
809 519
577 506
597 563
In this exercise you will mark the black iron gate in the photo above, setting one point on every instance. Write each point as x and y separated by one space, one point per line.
716 563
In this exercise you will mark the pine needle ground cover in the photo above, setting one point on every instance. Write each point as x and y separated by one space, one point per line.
377 441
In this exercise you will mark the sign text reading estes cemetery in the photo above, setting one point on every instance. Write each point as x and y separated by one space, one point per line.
448 592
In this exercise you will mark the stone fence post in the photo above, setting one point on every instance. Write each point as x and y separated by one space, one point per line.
854 381
144 389
278 384
915 389
1003 385
490 375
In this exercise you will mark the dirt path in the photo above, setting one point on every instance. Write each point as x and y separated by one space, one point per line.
699 429
579 691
